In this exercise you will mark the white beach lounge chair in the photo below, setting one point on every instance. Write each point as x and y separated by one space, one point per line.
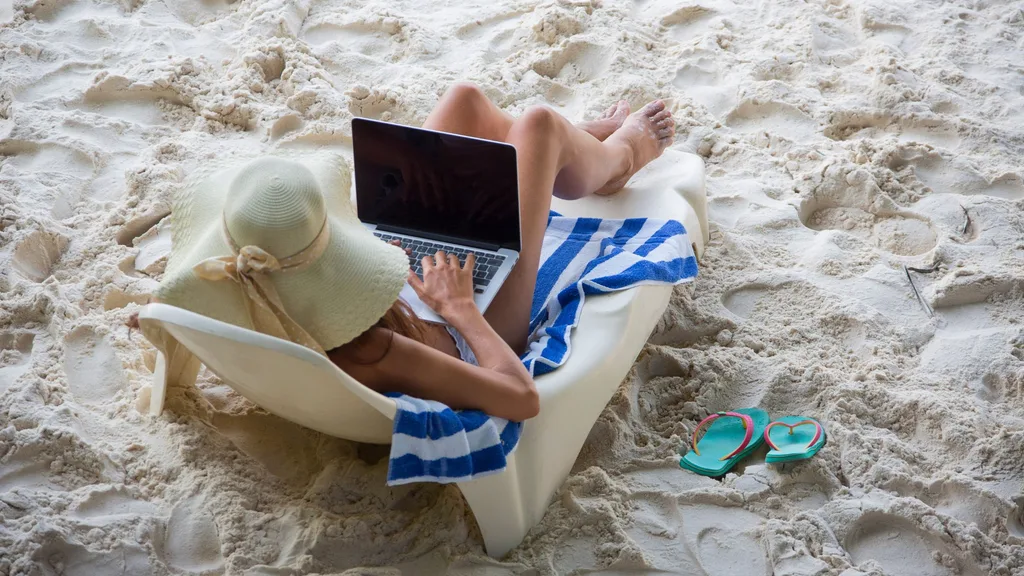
299 385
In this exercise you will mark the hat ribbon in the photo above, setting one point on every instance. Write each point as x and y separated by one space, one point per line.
249 267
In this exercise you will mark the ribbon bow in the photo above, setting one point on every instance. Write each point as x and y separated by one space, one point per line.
249 266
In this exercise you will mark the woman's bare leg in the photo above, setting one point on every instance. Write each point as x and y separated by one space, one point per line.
464 109
554 158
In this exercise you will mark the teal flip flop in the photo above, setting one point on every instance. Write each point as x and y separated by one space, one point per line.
730 437
793 438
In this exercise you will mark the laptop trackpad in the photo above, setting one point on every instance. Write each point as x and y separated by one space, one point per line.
417 305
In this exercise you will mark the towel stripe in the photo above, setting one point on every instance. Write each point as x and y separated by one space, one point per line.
549 272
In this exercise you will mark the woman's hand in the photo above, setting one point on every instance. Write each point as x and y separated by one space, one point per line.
447 286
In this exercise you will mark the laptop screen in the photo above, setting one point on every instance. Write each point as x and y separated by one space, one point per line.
438 185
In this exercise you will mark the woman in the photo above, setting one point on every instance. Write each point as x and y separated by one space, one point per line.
404 354
275 246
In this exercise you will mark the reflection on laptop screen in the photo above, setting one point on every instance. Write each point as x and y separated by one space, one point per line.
436 184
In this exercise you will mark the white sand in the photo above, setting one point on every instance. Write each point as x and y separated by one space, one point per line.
842 139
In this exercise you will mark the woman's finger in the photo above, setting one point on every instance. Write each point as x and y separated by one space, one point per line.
440 257
397 242
453 260
470 262
427 263
416 283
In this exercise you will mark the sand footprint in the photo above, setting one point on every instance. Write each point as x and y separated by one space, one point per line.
265 438
942 359
15 356
742 301
478 27
701 80
957 175
574 554
58 556
684 23
751 301
941 134
726 540
501 32
575 62
119 97
724 552
28 469
875 123
850 124
59 82
773 117
899 546
361 37
657 527
903 235
368 103
110 505
885 22
964 502
683 538
93 370
36 254
190 540
856 206
200 12
51 176
46 158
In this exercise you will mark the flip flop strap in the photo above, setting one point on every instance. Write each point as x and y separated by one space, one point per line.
748 425
817 432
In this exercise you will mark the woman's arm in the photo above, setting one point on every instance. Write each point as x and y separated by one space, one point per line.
416 369
447 287
499 386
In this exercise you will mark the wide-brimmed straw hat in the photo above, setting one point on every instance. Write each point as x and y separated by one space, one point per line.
274 245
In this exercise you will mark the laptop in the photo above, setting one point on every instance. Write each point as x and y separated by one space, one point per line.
438 191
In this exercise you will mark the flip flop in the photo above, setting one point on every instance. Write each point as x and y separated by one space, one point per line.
793 438
730 437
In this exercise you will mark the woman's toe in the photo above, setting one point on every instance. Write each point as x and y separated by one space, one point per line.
653 108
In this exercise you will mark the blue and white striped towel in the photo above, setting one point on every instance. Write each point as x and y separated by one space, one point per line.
580 257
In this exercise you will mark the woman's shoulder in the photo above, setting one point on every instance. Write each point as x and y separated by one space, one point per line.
368 348
378 353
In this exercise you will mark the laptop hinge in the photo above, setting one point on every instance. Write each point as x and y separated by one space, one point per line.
438 237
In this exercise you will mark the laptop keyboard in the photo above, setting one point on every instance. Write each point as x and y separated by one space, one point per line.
487 263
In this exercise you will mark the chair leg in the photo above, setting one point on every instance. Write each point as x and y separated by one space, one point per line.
175 366
499 508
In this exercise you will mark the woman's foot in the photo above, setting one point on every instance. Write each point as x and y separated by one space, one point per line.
646 133
608 122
